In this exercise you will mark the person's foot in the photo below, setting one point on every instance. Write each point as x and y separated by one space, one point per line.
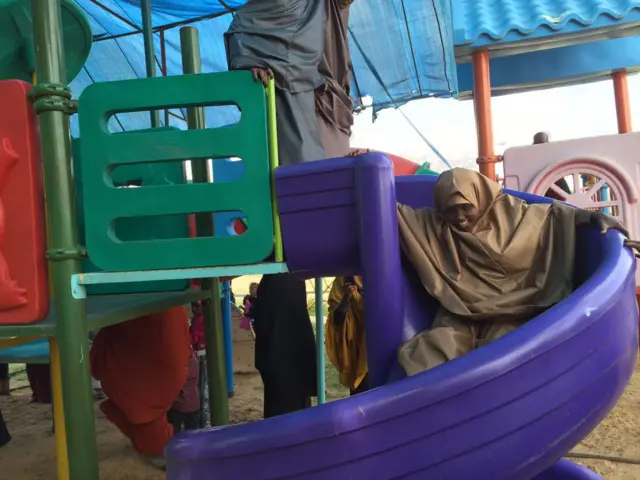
5 388
98 394
158 462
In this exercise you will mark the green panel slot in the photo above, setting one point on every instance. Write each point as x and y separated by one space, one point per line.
102 151
136 229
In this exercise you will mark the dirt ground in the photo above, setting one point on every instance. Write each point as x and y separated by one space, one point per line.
31 454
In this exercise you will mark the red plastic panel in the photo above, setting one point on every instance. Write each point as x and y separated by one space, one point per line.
24 288
401 166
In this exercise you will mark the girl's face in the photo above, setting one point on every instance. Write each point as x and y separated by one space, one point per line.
462 216
253 290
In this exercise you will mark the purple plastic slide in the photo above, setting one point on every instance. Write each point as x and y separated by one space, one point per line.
509 410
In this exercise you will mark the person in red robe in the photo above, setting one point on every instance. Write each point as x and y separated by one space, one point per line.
142 365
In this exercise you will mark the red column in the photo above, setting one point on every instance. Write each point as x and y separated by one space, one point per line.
623 107
484 122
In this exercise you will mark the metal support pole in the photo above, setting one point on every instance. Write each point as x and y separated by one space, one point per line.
58 412
484 121
163 68
228 335
72 321
149 53
320 342
212 312
623 106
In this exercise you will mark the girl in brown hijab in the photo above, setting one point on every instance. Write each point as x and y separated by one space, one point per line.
491 260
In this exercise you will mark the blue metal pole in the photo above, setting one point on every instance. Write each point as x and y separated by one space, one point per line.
227 334
320 342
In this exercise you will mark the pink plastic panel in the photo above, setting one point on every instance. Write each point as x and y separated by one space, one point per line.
593 173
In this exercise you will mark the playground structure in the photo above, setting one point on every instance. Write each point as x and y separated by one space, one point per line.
575 337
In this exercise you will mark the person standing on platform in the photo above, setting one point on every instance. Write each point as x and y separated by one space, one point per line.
334 106
143 365
285 344
284 40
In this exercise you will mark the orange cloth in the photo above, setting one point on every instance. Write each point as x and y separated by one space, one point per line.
142 365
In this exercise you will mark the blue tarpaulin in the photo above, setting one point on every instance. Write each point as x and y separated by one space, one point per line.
401 49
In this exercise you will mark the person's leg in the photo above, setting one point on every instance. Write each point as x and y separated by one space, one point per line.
4 379
192 420
176 419
96 386
335 142
449 338
493 331
281 398
269 398
299 138
4 432
40 382
148 439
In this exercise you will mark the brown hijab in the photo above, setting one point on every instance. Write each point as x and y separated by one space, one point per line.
515 262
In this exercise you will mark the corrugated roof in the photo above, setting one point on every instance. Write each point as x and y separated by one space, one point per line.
564 66
489 22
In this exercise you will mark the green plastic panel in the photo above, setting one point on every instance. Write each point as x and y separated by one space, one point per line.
140 229
102 151
17 54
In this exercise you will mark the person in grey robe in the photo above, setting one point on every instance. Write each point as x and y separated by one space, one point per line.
284 39
334 106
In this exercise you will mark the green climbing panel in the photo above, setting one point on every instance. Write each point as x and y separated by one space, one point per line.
103 151
17 51
141 229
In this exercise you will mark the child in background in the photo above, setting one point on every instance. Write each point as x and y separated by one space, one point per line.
196 331
185 412
248 302
198 344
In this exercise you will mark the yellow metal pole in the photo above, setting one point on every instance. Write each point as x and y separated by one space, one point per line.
56 381
274 162
58 412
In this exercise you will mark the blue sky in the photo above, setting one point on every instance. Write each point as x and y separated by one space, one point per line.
569 112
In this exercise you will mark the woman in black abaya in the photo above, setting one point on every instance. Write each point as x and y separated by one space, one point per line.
285 345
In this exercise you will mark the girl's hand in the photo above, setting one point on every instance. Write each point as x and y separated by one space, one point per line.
262 75
605 222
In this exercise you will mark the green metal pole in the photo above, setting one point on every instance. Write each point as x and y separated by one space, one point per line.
149 53
51 99
212 312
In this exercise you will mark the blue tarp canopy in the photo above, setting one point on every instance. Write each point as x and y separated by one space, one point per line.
401 49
